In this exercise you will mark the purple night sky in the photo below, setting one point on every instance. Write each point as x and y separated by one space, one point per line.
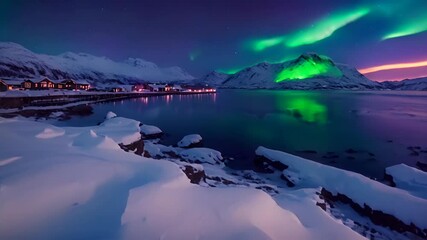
203 35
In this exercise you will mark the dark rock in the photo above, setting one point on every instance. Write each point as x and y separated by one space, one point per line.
389 179
195 175
152 136
289 183
137 147
267 189
321 205
262 164
221 180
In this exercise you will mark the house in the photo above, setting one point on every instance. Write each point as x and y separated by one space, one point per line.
141 87
177 88
82 84
70 84
116 89
13 84
200 89
159 87
3 86
28 84
44 84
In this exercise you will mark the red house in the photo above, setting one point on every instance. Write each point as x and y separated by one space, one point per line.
45 83
28 84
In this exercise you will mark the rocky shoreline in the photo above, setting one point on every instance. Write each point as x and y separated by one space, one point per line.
197 166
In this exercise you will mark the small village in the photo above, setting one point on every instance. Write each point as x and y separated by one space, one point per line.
45 83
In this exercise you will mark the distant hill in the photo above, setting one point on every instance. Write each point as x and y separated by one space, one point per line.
419 84
19 62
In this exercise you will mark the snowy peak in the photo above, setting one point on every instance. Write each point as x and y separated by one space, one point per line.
307 66
138 62
19 62
308 71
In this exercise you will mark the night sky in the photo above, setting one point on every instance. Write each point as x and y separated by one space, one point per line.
226 35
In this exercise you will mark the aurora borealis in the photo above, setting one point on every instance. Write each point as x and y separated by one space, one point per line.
227 35
316 32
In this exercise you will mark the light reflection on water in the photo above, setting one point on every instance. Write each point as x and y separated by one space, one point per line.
237 121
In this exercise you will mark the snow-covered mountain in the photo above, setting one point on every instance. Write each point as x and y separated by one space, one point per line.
418 84
19 62
308 71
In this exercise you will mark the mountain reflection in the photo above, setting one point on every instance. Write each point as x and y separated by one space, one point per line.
304 108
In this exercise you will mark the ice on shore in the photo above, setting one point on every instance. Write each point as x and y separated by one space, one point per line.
110 115
201 155
190 140
50 132
149 130
409 179
362 190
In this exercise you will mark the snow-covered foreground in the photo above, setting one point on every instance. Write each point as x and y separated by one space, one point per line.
77 183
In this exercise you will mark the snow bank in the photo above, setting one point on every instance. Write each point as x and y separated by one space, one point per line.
110 115
90 139
190 140
121 130
149 130
359 188
201 155
50 132
14 93
59 186
409 179
192 212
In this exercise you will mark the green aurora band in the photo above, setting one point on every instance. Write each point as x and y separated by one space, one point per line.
325 27
260 45
308 69
318 31
408 28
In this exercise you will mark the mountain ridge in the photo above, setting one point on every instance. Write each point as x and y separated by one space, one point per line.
17 61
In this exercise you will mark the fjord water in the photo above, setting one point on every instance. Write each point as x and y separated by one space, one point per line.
359 131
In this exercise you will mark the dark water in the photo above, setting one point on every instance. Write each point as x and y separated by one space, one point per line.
379 126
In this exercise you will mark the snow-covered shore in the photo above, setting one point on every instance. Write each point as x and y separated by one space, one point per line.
78 182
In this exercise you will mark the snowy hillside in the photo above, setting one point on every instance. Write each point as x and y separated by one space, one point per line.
309 71
418 84
19 62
